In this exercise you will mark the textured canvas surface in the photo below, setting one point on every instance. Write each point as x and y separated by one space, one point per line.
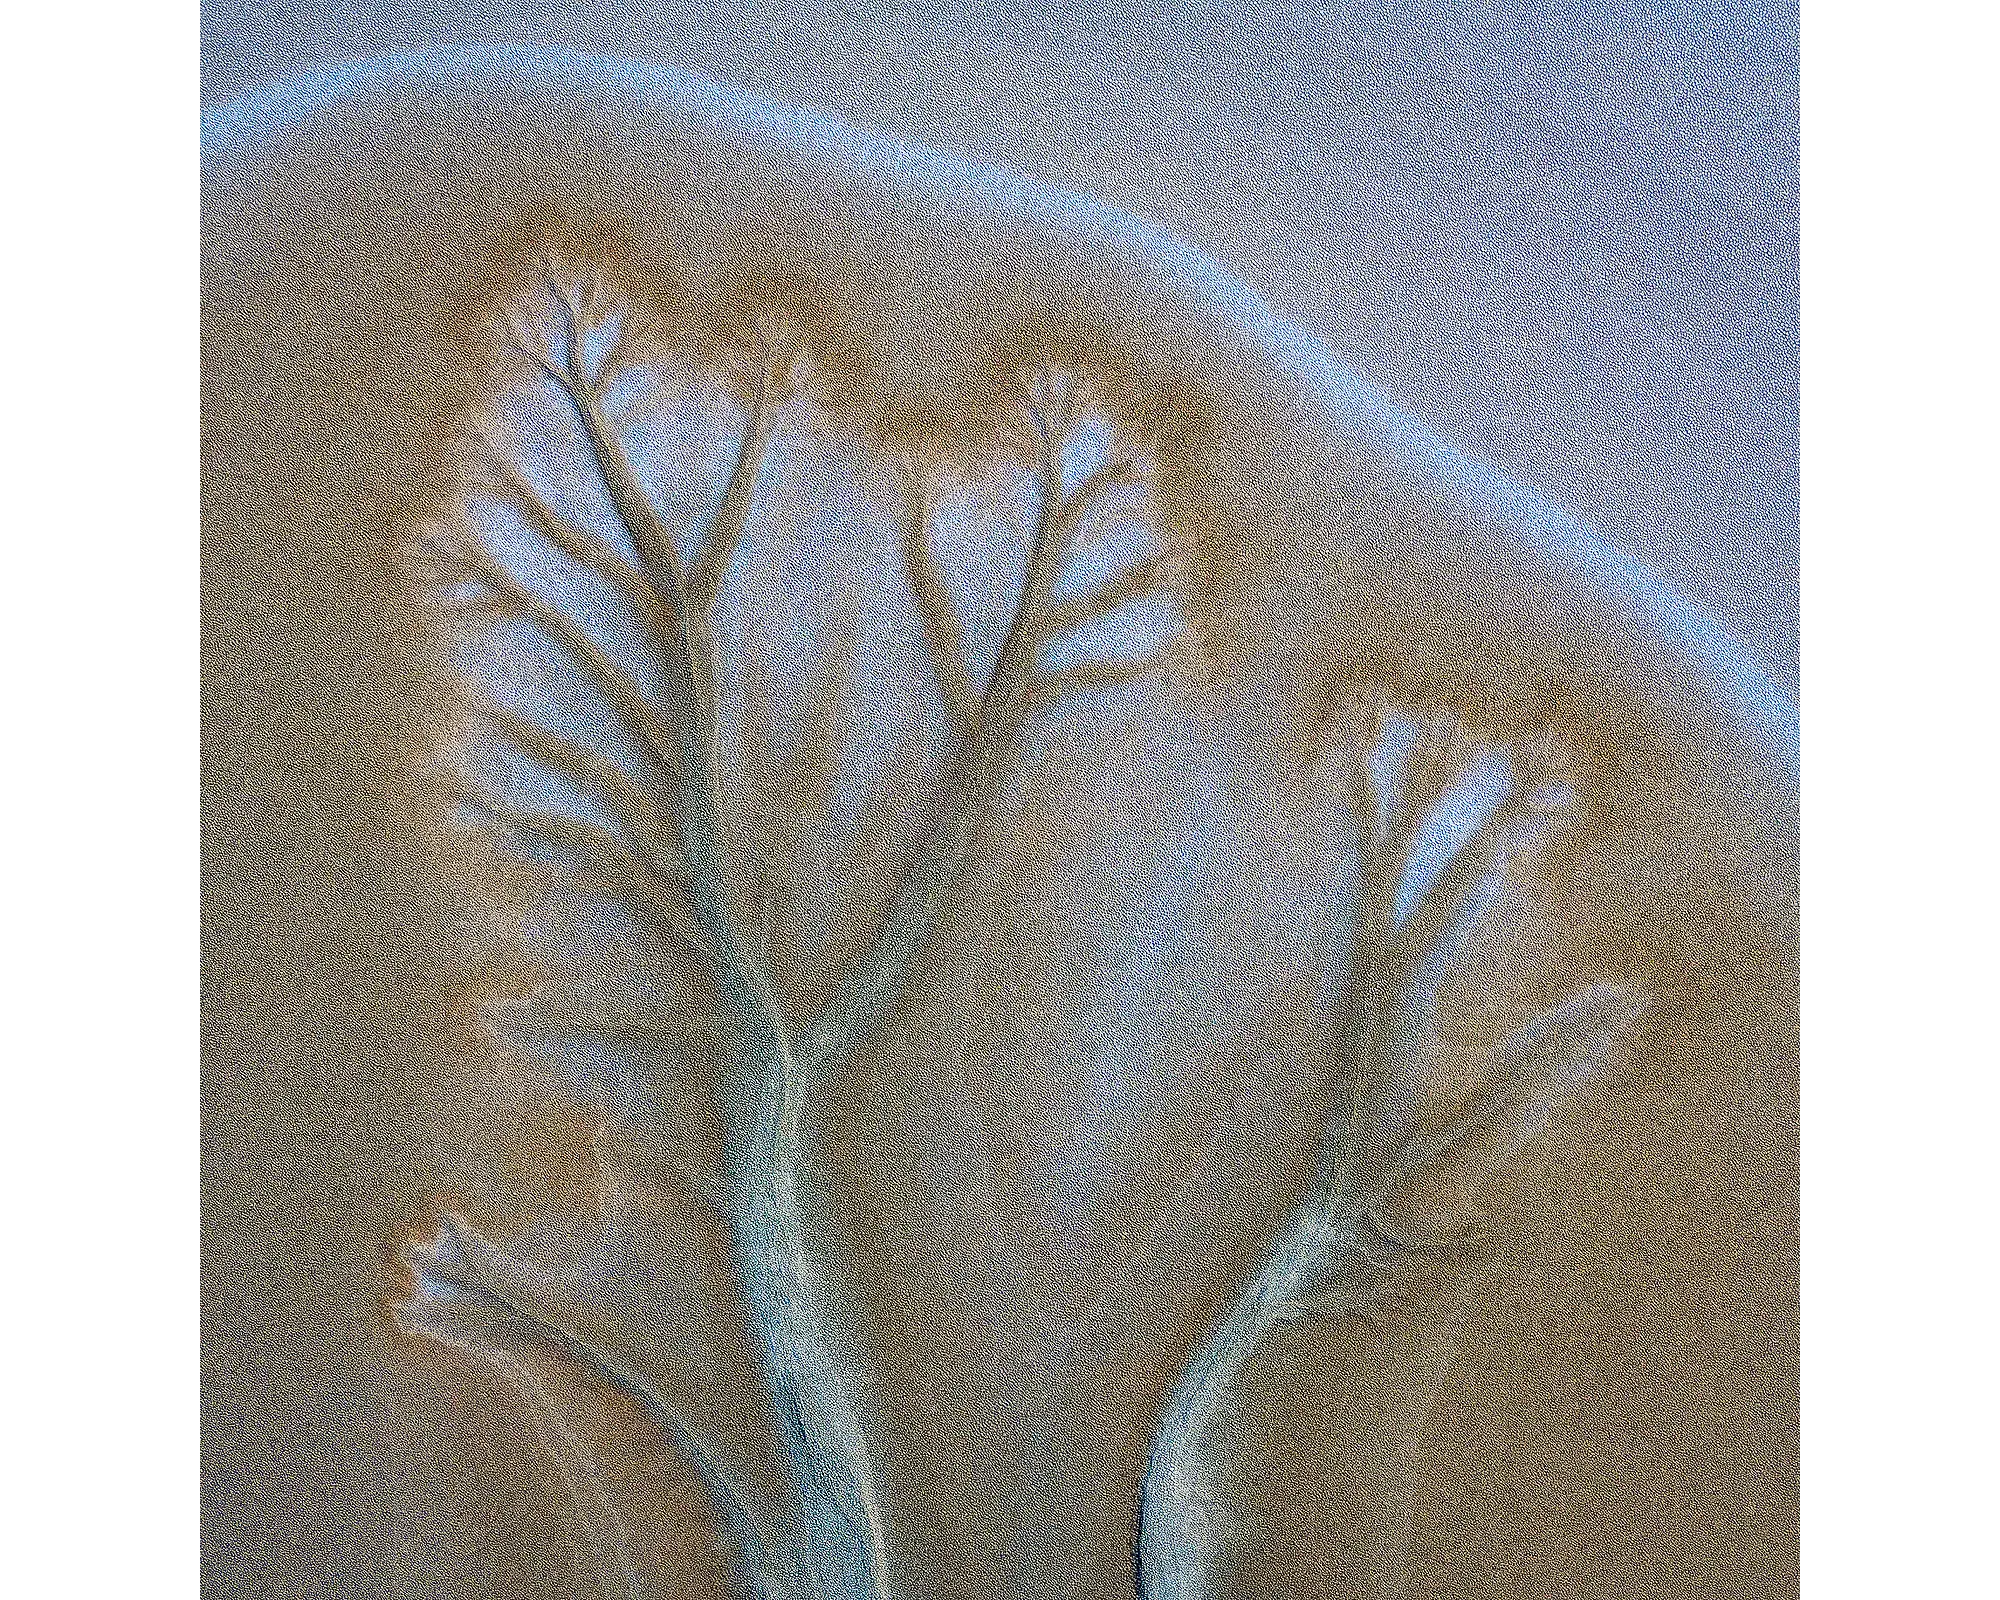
1038 1181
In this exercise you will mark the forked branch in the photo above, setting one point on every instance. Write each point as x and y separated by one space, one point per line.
638 811
871 986
670 868
465 561
462 1297
600 860
666 853
1145 576
586 549
944 634
1052 688
1399 1177
773 384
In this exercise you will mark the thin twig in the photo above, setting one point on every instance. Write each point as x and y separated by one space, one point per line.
1052 688
943 633
705 581
511 596
585 549
614 863
637 811
1135 582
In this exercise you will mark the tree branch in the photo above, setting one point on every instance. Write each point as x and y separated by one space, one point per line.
1391 1198
1051 688
1135 582
657 554
1528 1075
943 633
1319 1262
1379 871
838 1531
833 1533
612 862
638 811
873 983
705 582
585 549
1118 472
457 1298
511 596
534 350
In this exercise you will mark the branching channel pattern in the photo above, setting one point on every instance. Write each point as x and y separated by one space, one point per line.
608 775
1443 825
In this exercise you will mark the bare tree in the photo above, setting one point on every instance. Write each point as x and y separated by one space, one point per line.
656 841
1441 825
626 726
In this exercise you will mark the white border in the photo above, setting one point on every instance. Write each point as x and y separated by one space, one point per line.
1900 751
1900 603
100 422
